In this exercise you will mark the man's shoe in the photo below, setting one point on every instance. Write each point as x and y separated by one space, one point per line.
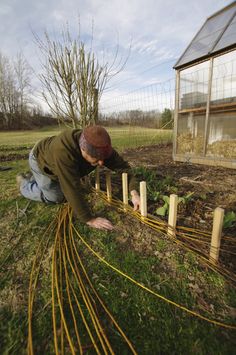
19 179
29 176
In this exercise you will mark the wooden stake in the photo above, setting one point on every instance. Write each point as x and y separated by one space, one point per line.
216 234
108 183
172 214
125 189
143 199
97 179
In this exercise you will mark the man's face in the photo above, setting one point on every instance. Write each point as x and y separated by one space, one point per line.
93 161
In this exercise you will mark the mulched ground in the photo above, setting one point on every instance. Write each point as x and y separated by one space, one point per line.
220 182
215 186
212 187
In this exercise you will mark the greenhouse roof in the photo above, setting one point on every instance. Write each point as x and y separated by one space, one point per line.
217 33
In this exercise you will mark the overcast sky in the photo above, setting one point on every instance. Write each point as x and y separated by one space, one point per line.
157 30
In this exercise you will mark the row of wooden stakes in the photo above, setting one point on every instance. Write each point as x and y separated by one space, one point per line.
172 219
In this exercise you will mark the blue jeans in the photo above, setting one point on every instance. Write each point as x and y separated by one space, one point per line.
40 187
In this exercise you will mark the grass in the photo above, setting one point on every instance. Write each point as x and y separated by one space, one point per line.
25 138
131 137
124 137
152 325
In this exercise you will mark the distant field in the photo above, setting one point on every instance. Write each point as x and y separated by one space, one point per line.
131 137
25 138
122 137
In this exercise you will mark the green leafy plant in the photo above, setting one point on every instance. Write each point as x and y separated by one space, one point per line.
161 211
156 186
185 199
229 219
156 195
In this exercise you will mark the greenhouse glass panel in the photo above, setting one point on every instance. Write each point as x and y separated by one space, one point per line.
190 134
224 79
206 40
194 86
222 136
229 36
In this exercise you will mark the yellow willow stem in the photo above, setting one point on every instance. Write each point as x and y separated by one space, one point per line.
60 221
87 302
70 302
80 278
82 316
99 299
152 219
197 252
58 296
32 285
61 293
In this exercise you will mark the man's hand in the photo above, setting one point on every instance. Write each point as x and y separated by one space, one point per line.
100 223
135 200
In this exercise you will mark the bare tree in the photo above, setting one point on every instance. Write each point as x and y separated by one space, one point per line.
14 91
8 94
23 86
73 78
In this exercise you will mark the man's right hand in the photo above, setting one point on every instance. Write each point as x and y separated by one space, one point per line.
100 223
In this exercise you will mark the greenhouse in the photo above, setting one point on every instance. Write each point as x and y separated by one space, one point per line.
205 99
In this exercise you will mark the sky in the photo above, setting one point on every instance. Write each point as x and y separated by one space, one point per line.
151 35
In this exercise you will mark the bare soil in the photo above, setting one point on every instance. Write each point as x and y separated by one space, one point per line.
212 186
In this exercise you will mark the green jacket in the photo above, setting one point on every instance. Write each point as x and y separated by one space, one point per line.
60 158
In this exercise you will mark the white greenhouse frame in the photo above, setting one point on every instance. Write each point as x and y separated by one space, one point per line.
203 100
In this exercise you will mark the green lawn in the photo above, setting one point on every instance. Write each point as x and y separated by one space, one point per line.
122 137
25 138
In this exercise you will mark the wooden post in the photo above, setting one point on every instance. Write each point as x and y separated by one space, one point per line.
108 183
172 214
143 199
97 179
125 190
216 234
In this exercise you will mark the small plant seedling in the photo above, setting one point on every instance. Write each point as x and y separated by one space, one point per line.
161 211
185 199
229 219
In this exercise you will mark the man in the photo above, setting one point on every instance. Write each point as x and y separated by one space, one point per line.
59 162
